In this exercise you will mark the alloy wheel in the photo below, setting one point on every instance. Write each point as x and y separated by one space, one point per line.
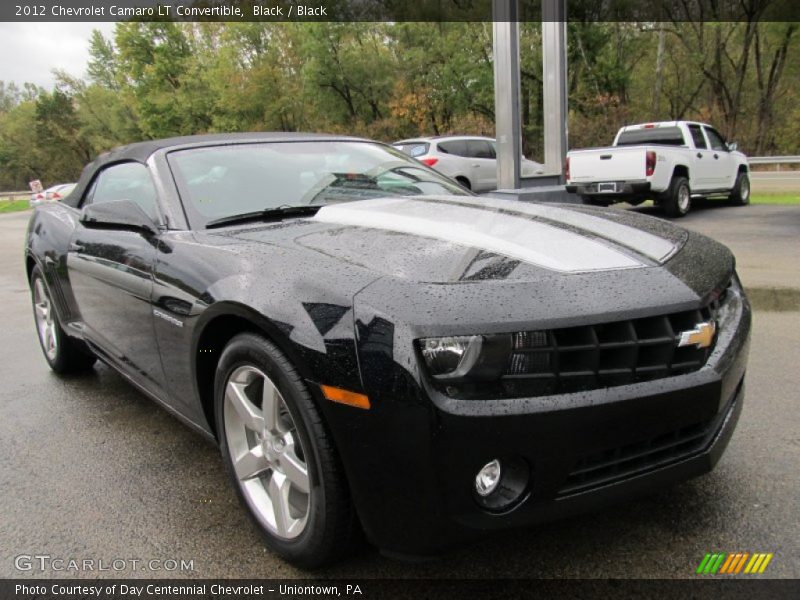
266 452
684 198
45 319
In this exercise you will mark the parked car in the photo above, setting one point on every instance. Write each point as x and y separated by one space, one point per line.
670 162
52 194
470 160
374 347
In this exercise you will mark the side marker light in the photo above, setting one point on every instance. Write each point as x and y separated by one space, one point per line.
341 396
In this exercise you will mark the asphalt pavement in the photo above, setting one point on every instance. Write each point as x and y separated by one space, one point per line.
92 469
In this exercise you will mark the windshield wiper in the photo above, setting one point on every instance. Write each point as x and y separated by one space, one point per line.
268 214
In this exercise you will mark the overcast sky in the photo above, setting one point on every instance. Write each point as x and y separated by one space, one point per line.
30 51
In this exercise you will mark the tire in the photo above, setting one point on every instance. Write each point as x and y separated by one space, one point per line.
63 353
464 182
592 201
677 200
740 194
313 522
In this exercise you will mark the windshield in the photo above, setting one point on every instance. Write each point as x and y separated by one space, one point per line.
222 181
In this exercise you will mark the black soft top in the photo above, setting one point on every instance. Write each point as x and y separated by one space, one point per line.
141 151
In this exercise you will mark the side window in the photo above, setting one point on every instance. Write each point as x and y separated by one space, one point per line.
480 149
126 181
455 147
697 136
413 149
715 139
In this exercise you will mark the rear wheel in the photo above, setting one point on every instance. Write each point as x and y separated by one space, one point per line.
63 353
279 454
464 182
677 200
740 194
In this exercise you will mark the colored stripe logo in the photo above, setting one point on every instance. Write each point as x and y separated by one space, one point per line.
720 563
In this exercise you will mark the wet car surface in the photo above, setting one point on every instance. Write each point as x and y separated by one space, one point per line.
116 408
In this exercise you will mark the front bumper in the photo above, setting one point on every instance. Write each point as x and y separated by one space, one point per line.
411 460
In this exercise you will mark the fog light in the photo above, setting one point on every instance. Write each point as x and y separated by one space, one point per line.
502 484
487 478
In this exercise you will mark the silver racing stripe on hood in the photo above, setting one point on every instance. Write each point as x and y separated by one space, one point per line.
642 242
515 235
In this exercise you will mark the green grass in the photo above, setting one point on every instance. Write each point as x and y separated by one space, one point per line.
784 199
7 206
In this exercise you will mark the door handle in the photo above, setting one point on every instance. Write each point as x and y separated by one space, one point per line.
699 155
716 156
74 247
475 166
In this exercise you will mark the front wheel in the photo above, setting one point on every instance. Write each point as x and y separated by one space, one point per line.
740 194
279 454
677 200
62 353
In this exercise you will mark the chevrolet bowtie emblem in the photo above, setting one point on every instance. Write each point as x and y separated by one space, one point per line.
701 336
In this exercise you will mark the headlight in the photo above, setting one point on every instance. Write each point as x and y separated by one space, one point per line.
451 357
467 357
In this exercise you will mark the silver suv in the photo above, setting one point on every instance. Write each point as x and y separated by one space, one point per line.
470 160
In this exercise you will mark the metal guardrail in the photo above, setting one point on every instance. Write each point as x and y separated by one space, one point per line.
10 195
772 160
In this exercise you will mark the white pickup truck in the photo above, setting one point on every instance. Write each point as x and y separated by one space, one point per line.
670 162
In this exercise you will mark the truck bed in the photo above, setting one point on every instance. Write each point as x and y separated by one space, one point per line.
614 163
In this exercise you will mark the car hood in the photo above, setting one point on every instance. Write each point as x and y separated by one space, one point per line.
458 264
447 239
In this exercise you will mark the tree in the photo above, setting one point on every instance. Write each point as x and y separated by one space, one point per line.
351 65
721 52
21 159
57 125
103 67
770 63
448 68
11 95
159 71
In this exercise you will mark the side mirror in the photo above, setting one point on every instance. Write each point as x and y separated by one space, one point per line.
732 146
118 214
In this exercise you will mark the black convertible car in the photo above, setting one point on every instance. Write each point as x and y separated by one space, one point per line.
375 348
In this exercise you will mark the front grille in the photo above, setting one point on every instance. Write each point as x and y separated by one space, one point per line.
576 359
620 463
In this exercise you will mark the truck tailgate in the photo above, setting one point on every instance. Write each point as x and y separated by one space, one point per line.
622 163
